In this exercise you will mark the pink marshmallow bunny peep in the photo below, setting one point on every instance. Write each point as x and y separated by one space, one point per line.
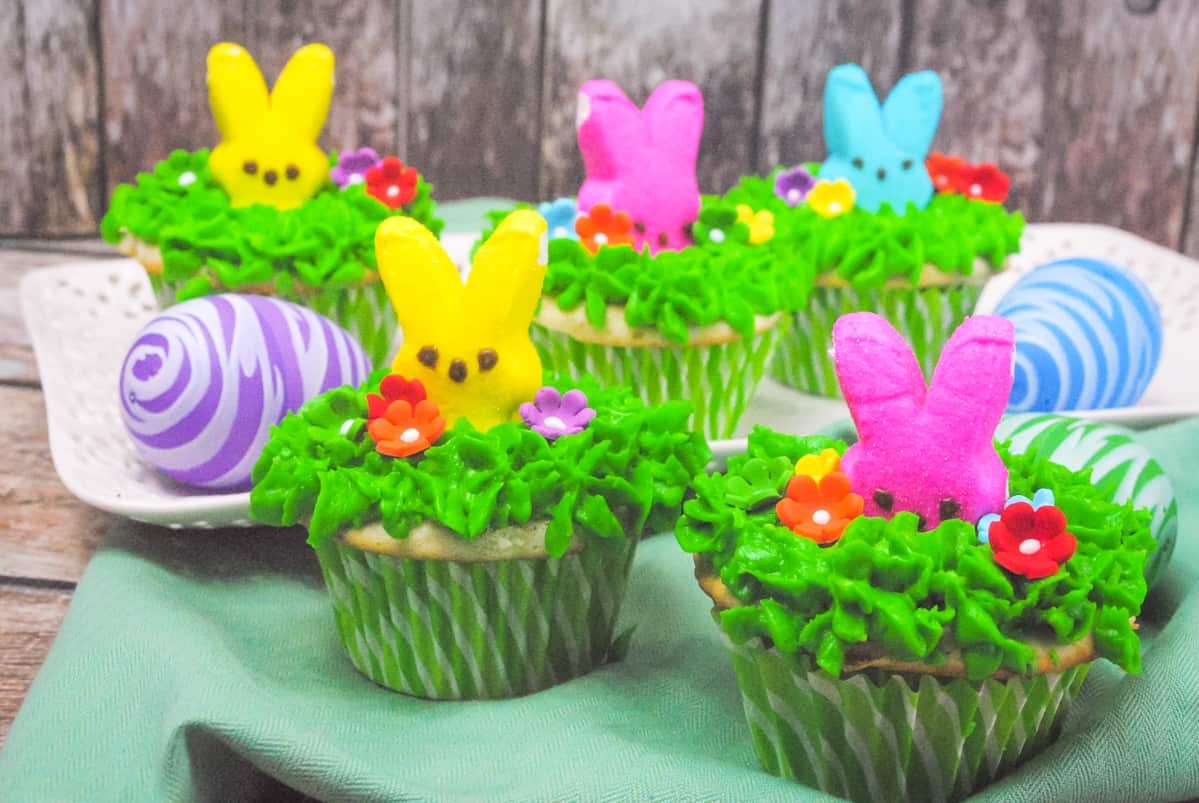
929 449
643 161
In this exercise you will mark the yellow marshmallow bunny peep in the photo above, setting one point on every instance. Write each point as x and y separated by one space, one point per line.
469 344
268 152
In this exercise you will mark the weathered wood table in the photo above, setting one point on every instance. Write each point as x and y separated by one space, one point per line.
46 534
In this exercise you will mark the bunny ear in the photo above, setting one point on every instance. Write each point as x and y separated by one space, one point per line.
878 372
421 281
973 378
674 115
912 111
850 109
236 90
506 277
302 93
610 129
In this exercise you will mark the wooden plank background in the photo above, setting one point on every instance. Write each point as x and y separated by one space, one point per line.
1091 107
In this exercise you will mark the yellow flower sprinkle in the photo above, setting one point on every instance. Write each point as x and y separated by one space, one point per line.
831 198
761 224
817 466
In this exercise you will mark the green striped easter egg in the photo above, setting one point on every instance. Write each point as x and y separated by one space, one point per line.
719 380
1119 465
449 630
925 317
882 736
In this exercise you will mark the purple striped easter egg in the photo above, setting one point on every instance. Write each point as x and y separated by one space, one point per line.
206 380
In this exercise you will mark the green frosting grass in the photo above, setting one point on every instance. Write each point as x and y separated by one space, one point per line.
725 278
917 595
628 470
210 246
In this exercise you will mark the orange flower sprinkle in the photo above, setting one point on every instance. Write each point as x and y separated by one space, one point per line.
602 226
821 511
404 431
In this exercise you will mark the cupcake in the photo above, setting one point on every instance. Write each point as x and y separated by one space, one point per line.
880 225
267 211
474 525
910 616
628 295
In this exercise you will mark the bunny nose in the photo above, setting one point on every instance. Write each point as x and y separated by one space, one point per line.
882 174
458 370
270 177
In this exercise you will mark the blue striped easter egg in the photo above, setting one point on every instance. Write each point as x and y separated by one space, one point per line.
1119 465
1088 336
204 382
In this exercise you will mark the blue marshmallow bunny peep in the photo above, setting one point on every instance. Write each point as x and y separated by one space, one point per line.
881 149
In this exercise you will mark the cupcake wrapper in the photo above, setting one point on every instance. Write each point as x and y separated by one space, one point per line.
926 317
447 630
719 380
881 736
364 311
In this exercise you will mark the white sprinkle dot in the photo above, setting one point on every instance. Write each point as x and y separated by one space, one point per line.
1030 546
410 435
834 207
716 236
357 178
821 517
393 191
560 232
601 239
976 189
187 178
793 196
554 422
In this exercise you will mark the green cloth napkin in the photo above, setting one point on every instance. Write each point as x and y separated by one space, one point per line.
199 665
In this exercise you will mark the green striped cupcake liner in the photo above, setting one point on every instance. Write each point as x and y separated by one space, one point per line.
883 736
719 380
447 630
926 317
364 311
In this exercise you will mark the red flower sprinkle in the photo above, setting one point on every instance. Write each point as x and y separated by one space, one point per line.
1032 543
404 430
985 182
391 183
945 171
394 387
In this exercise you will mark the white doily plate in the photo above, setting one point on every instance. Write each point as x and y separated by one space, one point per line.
82 317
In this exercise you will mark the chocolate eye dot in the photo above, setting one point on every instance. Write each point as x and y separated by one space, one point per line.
270 177
427 356
458 371
882 174
907 164
949 508
857 162
250 166
487 359
884 499
293 172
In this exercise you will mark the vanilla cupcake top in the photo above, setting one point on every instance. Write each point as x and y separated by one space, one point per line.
925 545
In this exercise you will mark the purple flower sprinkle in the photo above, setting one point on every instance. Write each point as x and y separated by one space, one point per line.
352 166
793 185
553 414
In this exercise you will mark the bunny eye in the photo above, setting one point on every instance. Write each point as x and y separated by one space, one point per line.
857 162
427 356
907 164
639 226
884 499
250 166
270 177
293 172
487 359
458 370
949 509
